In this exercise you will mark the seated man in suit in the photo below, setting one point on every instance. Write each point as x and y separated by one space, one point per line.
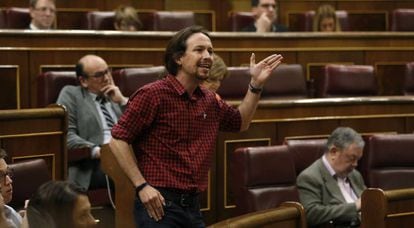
43 14
13 219
330 189
93 108
265 13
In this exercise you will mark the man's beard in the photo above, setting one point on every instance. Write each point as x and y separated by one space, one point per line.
201 78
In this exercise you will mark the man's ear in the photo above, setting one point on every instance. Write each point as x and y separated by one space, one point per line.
177 59
255 11
31 11
332 150
83 82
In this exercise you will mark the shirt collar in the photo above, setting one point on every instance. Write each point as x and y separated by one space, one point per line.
328 166
34 27
93 95
180 88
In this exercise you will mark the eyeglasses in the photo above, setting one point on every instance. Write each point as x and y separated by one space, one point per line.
266 5
44 9
100 74
3 179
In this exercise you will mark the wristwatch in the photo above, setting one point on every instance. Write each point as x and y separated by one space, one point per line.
254 89
139 188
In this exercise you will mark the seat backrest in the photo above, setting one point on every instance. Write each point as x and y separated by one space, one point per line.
3 23
173 20
304 21
131 79
286 81
50 83
239 20
234 87
342 16
409 79
305 151
402 20
390 161
288 215
262 178
100 20
347 81
27 177
18 18
148 20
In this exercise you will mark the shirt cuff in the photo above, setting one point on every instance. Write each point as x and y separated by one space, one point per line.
95 151
124 102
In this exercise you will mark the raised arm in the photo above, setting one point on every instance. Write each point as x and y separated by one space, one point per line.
259 72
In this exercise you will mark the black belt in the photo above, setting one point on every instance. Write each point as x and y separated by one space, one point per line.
179 197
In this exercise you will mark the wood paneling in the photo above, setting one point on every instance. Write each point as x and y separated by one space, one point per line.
304 118
36 133
10 79
32 49
392 209
221 8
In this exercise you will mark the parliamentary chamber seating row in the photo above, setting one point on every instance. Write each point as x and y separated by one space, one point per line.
19 18
287 82
400 20
265 177
153 20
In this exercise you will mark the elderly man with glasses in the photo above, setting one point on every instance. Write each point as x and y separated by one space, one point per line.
13 219
93 108
43 14
265 13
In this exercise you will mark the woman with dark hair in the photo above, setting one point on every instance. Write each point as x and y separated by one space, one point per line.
60 204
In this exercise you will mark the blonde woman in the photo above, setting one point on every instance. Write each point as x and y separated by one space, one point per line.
325 20
126 19
218 72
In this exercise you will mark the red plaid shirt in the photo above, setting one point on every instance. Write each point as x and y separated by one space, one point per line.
173 135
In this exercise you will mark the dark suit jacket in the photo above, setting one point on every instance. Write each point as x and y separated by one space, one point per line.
84 128
321 196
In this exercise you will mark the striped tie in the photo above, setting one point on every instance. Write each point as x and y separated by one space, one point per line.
109 121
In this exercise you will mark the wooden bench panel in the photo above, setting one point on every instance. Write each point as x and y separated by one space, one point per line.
36 133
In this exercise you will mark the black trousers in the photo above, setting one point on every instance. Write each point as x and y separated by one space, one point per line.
181 210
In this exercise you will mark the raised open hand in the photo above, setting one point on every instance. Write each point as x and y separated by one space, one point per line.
260 72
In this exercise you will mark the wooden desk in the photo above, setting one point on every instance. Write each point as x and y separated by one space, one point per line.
387 209
24 54
36 133
288 215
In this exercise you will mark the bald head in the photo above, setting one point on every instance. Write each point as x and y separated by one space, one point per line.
87 64
93 73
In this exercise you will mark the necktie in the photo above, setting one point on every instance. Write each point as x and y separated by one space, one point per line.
109 121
